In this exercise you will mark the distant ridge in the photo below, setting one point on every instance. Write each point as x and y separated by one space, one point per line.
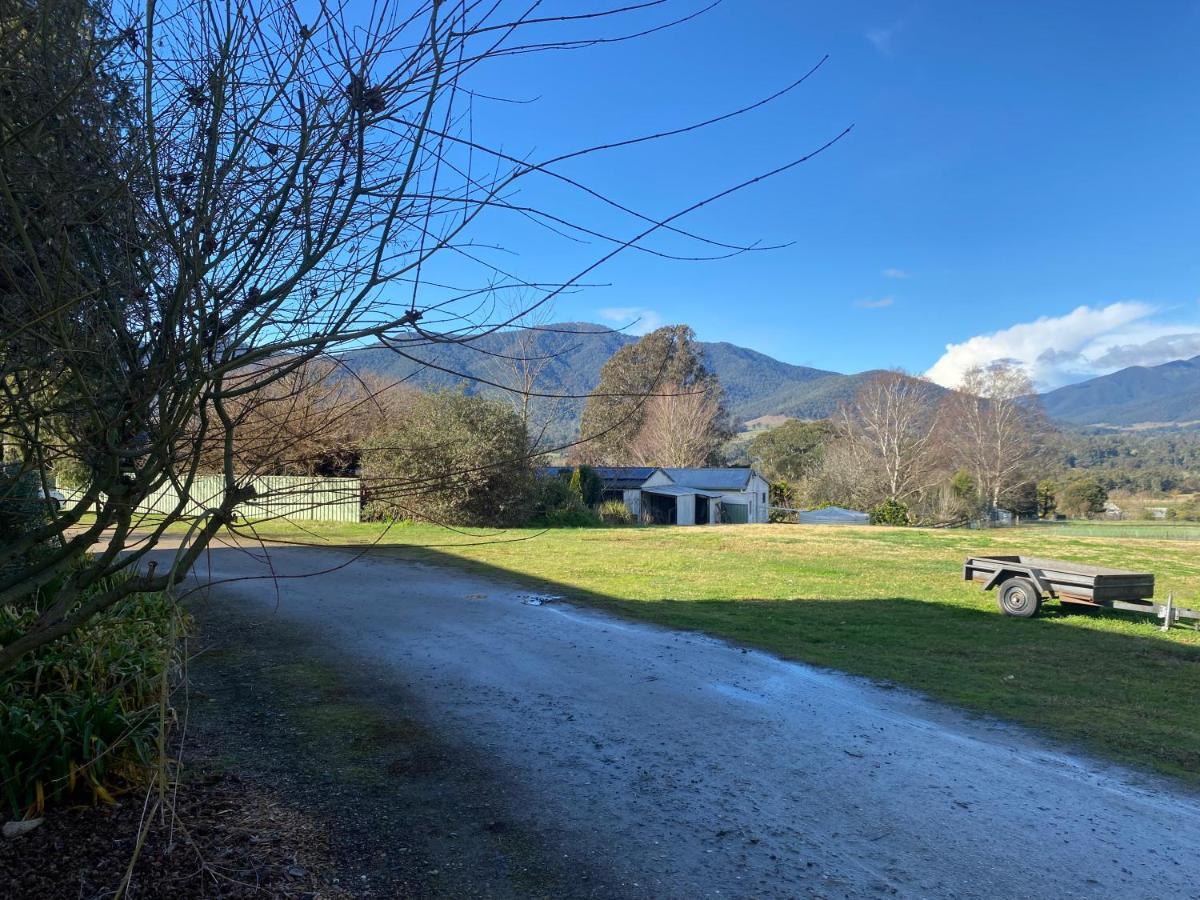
754 382
1145 396
758 385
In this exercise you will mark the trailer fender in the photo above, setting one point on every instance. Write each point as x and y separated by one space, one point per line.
1002 575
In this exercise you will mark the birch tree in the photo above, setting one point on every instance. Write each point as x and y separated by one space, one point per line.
891 428
681 428
993 428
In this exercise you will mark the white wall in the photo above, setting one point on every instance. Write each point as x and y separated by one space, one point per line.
633 501
658 476
685 510
761 511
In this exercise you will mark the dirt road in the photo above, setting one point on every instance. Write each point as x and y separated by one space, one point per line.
686 767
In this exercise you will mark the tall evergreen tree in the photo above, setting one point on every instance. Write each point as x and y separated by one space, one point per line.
664 362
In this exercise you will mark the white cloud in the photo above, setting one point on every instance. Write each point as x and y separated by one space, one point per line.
1085 342
896 273
881 303
643 320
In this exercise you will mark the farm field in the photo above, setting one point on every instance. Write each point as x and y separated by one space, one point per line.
884 603
1146 530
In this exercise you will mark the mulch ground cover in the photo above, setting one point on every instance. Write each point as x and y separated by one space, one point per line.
222 839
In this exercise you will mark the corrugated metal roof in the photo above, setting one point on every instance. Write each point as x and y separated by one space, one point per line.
614 477
832 515
623 476
676 490
725 479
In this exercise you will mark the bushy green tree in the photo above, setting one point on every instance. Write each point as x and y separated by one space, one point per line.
791 451
450 458
963 485
665 361
1083 498
1047 500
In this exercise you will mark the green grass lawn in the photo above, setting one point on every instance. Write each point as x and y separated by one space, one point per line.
885 603
1146 529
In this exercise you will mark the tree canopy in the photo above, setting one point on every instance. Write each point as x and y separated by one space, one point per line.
450 458
663 365
790 451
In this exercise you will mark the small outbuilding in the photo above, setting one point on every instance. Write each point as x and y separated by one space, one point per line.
832 515
674 496
703 496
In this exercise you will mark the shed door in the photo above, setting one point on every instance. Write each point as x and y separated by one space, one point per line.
735 513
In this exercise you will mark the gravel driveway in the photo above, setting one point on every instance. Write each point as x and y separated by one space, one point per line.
687 767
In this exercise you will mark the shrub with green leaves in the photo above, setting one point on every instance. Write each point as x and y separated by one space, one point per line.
450 458
889 512
80 716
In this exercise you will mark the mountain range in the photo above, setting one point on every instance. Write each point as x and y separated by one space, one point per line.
757 385
1139 396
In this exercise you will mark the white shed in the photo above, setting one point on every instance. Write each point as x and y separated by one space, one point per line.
705 496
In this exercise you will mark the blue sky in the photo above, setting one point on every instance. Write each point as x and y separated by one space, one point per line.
1021 180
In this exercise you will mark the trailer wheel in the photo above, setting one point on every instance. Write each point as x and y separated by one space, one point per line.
1020 597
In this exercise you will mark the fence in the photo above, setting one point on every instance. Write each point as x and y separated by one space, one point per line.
279 497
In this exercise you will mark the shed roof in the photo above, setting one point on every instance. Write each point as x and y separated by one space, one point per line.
722 479
623 476
677 490
613 477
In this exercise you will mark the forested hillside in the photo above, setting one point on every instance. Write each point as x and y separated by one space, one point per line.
755 384
1139 395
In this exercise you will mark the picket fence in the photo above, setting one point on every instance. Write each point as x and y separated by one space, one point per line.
279 497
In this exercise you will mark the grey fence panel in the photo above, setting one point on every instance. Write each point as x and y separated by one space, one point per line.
279 497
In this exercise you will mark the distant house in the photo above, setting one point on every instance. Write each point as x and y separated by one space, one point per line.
706 496
1112 511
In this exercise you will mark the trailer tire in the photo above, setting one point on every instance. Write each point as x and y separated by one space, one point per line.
1019 597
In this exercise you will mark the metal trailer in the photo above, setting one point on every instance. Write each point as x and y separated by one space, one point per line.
1024 581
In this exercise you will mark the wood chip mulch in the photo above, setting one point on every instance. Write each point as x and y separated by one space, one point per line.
227 839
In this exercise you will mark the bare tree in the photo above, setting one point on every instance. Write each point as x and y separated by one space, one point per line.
521 368
993 427
679 428
198 201
890 430
313 421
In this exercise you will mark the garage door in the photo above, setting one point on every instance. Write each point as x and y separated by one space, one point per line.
735 513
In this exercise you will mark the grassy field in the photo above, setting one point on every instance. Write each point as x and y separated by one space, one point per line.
885 603
1146 530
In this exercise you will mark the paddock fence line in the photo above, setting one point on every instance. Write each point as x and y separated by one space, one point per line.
279 497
